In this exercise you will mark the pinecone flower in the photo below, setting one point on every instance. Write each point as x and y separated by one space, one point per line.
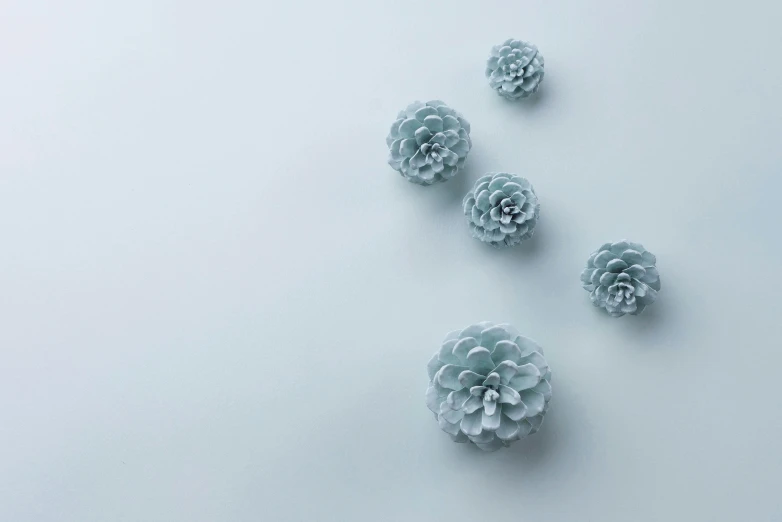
488 385
428 142
515 69
502 209
621 278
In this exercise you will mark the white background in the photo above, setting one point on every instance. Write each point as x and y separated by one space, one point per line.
217 300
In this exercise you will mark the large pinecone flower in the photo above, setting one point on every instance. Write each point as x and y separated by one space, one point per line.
502 209
621 278
488 385
515 69
428 142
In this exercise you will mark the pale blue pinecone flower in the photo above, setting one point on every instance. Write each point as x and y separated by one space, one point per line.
502 209
488 385
428 142
515 69
621 278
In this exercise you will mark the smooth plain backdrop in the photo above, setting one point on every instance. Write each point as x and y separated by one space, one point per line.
217 300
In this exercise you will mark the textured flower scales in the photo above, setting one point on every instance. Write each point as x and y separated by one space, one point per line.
488 385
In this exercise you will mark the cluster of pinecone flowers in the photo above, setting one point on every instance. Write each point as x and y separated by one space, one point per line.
488 385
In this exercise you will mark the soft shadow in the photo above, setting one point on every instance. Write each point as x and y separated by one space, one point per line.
453 191
536 450
529 249
655 318
522 456
656 323
536 245
533 103
561 438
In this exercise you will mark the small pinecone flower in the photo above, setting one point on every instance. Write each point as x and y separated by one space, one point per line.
515 69
502 209
621 278
428 142
488 385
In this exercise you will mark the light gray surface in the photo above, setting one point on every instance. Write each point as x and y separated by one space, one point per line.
217 300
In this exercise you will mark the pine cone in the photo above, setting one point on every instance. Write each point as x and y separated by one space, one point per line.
515 69
488 385
428 142
502 209
621 278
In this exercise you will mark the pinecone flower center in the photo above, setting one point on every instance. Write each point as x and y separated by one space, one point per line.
432 152
513 69
491 395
